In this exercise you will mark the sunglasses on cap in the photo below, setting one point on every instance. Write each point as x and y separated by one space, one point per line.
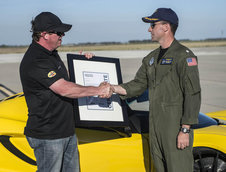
58 33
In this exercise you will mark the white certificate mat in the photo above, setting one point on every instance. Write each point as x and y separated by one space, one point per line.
94 110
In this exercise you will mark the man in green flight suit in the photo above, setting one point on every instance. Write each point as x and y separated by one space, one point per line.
171 75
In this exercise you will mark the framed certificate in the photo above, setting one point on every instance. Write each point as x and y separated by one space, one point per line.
92 110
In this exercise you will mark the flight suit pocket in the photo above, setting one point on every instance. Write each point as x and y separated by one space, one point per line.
193 83
171 117
163 73
172 110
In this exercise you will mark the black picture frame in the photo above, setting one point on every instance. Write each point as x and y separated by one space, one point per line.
110 114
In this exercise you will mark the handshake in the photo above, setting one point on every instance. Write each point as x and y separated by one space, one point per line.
105 90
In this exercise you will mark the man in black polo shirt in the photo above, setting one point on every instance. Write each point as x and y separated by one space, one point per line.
50 128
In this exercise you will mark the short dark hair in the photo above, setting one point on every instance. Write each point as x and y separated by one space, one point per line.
173 28
35 34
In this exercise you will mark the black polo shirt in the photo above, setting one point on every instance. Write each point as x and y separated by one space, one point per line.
50 116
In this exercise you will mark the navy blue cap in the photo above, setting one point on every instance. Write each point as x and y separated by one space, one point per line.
47 21
162 14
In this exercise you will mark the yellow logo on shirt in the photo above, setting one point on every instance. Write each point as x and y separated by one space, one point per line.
51 74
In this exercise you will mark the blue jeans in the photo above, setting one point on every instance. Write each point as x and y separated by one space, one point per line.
57 155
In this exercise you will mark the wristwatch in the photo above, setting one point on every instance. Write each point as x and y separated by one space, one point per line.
185 130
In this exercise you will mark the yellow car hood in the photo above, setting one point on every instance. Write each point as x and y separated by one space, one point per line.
214 130
218 115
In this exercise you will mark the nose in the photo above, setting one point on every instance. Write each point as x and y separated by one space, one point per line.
150 29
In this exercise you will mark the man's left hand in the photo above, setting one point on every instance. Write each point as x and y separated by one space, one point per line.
87 54
182 140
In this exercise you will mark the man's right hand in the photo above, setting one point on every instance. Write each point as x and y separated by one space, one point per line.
118 89
105 90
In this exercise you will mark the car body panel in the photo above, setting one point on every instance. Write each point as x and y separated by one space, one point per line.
218 115
14 107
100 149
106 150
9 162
113 153
213 137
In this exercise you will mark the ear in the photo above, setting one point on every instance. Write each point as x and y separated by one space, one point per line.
45 35
166 27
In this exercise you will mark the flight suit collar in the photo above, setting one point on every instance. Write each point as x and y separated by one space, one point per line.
170 49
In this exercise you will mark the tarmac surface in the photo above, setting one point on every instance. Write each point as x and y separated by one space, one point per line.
212 68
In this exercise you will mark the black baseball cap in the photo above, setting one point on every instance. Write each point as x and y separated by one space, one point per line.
162 14
47 21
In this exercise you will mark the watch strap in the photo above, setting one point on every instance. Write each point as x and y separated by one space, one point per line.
185 130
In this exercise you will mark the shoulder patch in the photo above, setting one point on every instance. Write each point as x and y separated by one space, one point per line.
151 61
51 74
192 61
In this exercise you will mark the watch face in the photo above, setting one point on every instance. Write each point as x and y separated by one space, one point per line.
185 130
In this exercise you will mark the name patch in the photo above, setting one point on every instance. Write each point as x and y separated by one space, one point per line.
167 61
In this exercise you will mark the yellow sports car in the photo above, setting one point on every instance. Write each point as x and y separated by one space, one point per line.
109 149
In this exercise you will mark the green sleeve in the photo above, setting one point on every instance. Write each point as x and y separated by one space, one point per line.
138 85
190 83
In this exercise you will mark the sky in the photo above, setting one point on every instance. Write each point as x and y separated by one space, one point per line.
111 20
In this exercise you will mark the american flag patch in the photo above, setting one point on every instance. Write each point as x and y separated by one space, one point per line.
192 61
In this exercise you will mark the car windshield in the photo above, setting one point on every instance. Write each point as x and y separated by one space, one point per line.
204 121
140 103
